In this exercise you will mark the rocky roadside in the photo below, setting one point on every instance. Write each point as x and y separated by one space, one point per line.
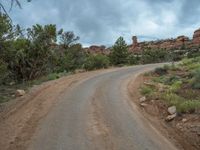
182 129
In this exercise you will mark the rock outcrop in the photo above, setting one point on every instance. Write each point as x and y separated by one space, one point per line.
180 42
196 38
135 42
97 50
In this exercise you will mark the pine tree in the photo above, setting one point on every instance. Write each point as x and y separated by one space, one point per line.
119 52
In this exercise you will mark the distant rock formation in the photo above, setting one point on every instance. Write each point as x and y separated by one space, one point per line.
180 42
135 42
94 49
196 38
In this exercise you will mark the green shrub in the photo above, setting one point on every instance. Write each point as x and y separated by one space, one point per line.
176 86
181 104
3 71
3 99
160 79
172 79
193 53
146 90
53 76
189 106
146 74
174 67
190 64
167 67
196 79
193 66
133 59
172 99
96 62
73 58
154 56
161 71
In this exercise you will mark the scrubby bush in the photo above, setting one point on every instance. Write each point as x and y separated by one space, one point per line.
3 71
133 59
161 71
147 90
96 62
196 79
73 58
176 86
190 64
193 53
172 79
160 79
172 99
33 55
181 104
167 67
189 106
154 56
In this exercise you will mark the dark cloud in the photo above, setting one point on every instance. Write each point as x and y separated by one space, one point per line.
190 12
102 21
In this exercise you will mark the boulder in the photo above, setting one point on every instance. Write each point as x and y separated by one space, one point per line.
143 99
172 110
184 120
19 93
170 117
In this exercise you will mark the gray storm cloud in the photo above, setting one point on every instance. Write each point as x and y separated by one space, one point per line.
102 21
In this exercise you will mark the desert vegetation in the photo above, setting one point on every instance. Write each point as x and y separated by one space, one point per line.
172 95
177 85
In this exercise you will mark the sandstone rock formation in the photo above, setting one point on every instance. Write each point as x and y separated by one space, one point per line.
196 38
179 43
135 42
97 50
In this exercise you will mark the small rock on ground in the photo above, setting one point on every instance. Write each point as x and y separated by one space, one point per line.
170 117
143 104
143 99
172 110
19 93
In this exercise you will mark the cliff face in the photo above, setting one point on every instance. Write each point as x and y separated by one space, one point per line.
168 44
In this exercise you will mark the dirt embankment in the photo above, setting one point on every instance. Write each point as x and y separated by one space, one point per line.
182 132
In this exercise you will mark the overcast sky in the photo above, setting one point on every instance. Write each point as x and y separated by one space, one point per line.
101 22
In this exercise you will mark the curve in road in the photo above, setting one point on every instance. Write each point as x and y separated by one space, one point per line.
96 114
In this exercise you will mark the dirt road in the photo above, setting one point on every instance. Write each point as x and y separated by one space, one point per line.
91 112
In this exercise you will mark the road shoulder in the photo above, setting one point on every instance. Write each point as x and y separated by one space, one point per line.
153 116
